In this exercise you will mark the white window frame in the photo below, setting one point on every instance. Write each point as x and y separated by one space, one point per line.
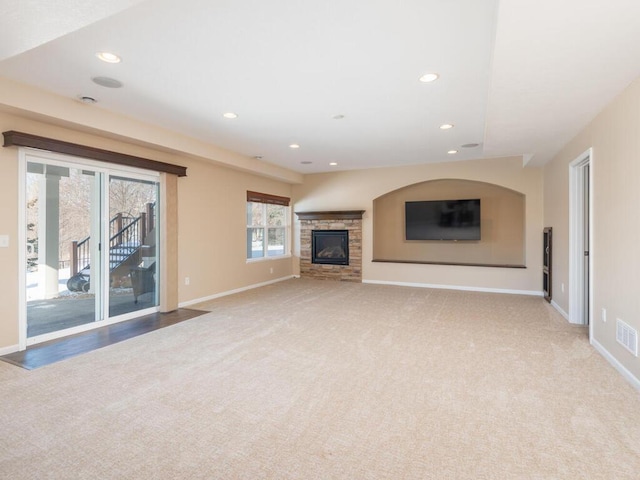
265 232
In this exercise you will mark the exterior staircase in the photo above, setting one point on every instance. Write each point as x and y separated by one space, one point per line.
127 237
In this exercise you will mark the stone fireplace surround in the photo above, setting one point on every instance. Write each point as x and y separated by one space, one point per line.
350 220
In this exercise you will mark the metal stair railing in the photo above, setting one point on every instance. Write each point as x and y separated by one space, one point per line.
81 250
126 236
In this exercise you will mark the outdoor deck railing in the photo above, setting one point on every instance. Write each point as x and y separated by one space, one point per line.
123 231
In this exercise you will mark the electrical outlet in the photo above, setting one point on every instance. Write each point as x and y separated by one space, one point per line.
271 270
562 287
4 241
604 315
187 280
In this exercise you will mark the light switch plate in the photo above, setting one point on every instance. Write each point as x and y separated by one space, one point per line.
4 241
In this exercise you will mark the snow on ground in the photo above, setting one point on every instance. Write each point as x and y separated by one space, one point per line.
34 292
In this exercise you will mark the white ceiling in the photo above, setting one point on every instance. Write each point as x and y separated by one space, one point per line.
518 77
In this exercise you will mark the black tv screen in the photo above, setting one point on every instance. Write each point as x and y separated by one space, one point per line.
442 220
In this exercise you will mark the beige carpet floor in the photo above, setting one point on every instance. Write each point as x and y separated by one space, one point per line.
309 379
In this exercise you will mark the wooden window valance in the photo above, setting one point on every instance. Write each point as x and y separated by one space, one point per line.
266 198
20 139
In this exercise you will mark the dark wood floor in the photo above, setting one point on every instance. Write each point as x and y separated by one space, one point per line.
63 348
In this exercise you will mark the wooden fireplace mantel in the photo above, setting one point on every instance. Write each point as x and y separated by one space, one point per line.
334 215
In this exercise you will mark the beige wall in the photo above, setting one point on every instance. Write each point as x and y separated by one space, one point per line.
8 256
168 242
212 231
211 221
502 225
614 136
356 190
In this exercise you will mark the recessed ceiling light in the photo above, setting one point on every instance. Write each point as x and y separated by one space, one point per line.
108 57
294 146
429 77
452 152
446 126
333 164
338 117
306 162
230 115
470 145
107 82
258 157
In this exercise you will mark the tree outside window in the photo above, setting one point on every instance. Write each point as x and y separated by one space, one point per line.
266 230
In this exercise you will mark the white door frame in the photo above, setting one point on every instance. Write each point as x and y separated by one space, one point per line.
25 155
22 250
577 245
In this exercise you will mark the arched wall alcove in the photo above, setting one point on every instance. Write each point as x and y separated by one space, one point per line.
502 226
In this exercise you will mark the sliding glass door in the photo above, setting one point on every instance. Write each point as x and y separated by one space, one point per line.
62 209
132 244
91 240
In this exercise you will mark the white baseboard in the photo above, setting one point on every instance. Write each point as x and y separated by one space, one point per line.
9 349
630 377
560 310
457 287
231 292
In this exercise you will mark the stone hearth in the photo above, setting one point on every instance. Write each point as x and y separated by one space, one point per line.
350 220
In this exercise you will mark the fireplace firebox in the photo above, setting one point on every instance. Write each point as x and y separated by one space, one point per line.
330 247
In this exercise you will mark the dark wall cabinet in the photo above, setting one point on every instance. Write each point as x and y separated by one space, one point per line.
546 263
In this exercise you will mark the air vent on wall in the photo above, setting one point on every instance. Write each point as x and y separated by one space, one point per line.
627 336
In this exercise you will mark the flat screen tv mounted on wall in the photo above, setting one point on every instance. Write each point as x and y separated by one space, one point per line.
442 220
